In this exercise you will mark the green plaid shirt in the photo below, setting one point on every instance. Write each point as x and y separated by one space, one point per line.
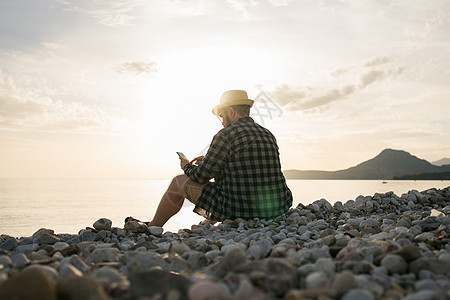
244 161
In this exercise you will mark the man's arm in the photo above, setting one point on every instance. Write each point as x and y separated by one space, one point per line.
214 161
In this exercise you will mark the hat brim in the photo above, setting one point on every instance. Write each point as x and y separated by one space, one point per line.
216 110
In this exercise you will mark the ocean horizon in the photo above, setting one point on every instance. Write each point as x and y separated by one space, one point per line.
69 205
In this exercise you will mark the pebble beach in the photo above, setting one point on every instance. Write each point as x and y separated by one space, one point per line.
383 246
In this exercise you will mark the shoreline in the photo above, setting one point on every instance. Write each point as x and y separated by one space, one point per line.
373 247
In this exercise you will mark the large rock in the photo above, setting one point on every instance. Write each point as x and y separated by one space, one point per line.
27 248
395 264
358 294
20 260
156 230
49 239
317 280
103 224
205 290
87 236
5 261
233 258
80 288
140 261
9 244
275 276
158 284
41 231
344 282
104 255
68 270
47 269
409 253
435 265
109 273
30 284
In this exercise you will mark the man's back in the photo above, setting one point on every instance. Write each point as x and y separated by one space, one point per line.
244 161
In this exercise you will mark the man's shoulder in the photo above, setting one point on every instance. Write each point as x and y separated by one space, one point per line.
243 125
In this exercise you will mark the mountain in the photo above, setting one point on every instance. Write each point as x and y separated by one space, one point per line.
425 176
386 165
441 162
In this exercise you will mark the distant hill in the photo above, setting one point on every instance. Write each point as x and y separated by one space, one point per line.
441 162
425 176
386 165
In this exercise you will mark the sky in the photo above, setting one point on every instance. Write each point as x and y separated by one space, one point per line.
113 88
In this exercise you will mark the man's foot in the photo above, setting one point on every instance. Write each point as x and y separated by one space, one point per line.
207 221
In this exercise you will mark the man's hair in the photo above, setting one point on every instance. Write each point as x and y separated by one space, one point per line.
242 110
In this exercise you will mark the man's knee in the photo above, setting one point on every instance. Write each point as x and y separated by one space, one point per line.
178 182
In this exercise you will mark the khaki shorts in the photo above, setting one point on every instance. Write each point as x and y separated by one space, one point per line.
193 190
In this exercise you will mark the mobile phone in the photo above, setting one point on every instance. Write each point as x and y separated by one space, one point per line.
180 154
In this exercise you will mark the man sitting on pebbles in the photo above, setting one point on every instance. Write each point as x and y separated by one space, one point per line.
243 160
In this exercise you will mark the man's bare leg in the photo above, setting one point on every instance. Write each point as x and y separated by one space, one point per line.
171 202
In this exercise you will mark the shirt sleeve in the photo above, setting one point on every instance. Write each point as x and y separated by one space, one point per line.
214 162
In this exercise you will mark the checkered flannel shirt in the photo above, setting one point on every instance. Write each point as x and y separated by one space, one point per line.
244 161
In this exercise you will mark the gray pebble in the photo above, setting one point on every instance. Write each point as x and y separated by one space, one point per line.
20 260
358 294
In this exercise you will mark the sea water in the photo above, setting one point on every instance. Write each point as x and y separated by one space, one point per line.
67 205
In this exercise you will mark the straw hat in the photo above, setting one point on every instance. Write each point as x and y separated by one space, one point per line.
230 98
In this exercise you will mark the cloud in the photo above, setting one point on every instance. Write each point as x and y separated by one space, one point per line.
313 99
27 110
244 5
137 68
379 61
375 62
285 94
109 13
371 77
279 2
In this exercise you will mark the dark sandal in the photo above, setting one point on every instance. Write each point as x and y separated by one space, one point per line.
128 219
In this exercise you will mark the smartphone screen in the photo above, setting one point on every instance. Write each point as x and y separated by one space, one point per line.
180 154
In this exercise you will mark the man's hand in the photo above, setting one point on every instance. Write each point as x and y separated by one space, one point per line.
183 162
196 161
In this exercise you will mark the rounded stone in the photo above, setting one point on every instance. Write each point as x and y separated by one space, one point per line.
204 290
39 285
60 246
103 224
435 265
109 273
68 270
47 269
80 288
317 280
394 263
104 255
426 284
49 239
41 231
156 230
9 244
20 260
5 260
27 248
358 294
344 282
404 222
325 265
